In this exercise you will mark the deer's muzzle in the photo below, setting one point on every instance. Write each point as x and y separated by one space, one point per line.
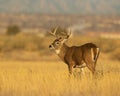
51 46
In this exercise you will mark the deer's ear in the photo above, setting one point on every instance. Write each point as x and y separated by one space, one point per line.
64 40
60 39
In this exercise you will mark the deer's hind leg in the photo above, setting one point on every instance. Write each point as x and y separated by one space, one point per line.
70 69
90 66
89 63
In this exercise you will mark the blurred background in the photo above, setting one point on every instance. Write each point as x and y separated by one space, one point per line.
29 68
24 27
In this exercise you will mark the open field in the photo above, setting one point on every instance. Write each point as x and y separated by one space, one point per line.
20 78
29 68
35 48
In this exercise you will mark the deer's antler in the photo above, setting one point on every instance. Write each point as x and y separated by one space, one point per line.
68 33
61 32
54 32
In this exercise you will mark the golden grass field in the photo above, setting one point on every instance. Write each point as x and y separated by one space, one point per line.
43 78
27 68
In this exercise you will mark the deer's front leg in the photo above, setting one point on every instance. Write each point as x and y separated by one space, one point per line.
70 69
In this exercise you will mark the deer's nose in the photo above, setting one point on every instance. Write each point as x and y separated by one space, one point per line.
50 46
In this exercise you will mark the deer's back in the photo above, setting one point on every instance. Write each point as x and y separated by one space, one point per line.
76 54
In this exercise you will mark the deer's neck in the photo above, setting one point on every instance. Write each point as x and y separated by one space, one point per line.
62 51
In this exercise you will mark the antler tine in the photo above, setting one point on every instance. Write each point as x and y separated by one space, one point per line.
54 32
69 32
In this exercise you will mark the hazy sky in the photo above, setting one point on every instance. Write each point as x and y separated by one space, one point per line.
61 6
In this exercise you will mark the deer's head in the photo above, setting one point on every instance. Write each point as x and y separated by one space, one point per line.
60 40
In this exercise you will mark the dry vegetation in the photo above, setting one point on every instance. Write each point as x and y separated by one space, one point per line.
43 78
33 46
51 79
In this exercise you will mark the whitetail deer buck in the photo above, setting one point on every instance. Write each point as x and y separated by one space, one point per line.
75 56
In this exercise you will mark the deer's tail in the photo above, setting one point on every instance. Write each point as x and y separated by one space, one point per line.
96 55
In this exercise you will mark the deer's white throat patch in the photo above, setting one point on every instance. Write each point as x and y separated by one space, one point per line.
57 51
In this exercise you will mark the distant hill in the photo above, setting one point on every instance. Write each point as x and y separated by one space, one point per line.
61 6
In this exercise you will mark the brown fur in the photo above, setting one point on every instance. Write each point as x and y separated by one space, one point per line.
77 55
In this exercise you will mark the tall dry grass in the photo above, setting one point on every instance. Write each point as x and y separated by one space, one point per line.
20 78
51 79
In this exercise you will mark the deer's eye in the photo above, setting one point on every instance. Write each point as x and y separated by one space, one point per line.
57 43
